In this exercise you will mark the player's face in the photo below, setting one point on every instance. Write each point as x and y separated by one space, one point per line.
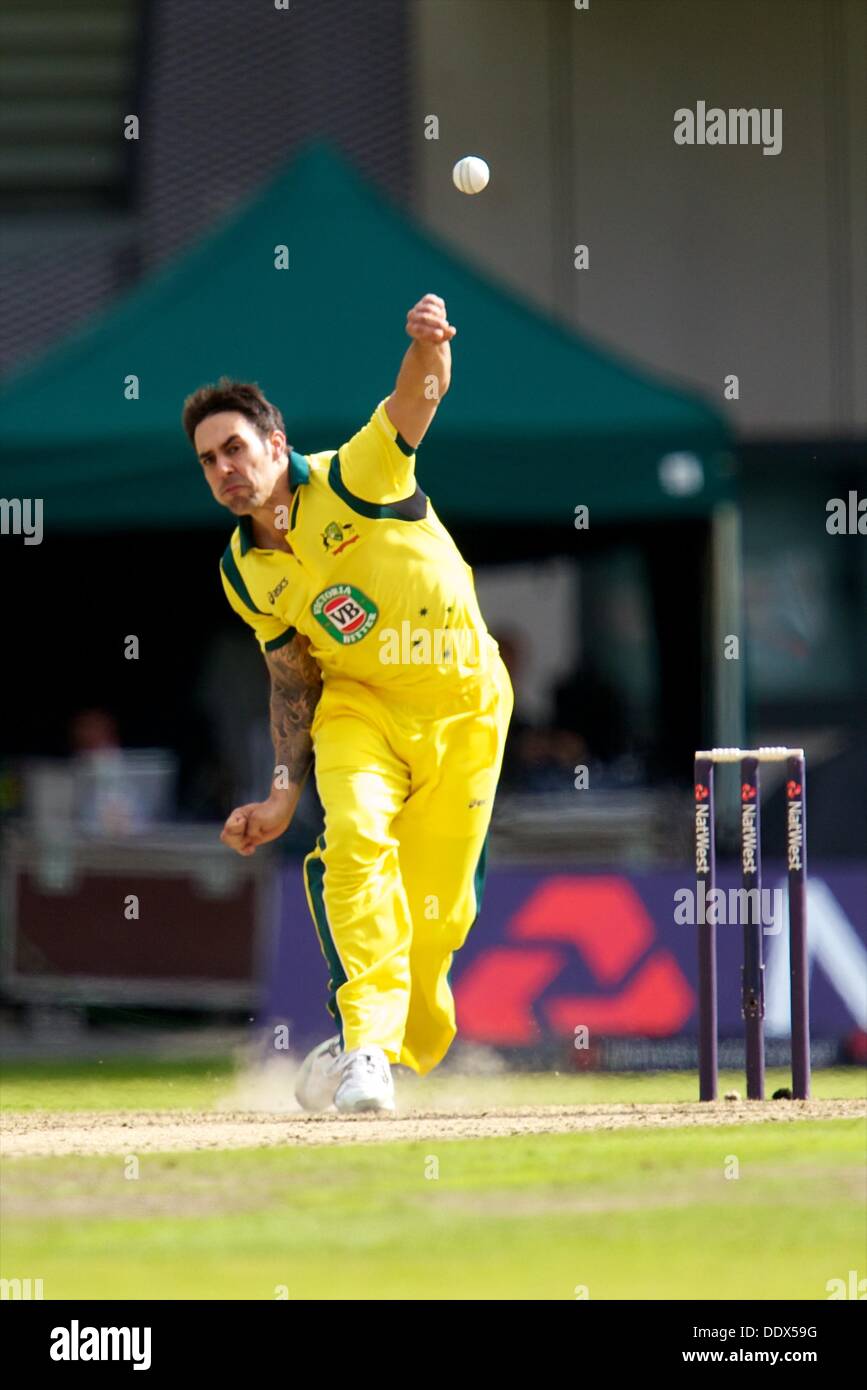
240 467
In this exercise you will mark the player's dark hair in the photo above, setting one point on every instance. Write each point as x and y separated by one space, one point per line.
243 396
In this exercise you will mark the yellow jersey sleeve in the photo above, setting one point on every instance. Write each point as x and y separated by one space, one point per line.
377 464
270 631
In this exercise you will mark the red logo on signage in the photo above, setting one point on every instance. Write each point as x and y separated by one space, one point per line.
602 918
793 789
748 793
701 792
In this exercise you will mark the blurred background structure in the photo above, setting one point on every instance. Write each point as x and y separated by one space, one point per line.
152 157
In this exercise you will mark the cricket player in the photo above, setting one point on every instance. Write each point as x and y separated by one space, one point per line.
382 670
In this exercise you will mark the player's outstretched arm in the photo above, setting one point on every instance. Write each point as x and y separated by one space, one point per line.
425 372
296 684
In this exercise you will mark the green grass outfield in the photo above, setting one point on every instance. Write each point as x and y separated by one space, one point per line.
634 1213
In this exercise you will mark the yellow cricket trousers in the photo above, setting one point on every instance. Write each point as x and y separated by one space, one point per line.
407 782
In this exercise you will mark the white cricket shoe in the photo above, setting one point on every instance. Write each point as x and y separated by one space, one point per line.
319 1077
365 1082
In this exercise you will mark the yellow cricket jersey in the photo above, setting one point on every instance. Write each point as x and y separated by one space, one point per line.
374 581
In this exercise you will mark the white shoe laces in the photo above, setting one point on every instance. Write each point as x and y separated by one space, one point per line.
364 1062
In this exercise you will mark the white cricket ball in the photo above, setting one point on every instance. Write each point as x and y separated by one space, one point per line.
471 174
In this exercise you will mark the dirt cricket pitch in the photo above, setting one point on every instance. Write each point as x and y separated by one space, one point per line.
45 1133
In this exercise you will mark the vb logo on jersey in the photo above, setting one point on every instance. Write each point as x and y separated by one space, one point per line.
345 612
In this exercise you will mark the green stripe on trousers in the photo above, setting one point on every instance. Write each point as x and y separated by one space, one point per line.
315 871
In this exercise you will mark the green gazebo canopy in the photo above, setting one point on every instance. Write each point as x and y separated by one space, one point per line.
537 420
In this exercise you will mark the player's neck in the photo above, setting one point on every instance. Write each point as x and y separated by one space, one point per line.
270 522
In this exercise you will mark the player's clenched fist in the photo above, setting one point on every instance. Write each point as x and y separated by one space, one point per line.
256 824
427 321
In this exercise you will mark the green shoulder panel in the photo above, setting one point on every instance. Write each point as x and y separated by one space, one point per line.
229 566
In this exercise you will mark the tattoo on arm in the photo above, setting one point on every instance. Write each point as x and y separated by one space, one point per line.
296 684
